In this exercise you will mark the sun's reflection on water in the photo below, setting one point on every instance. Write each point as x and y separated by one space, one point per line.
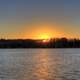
42 65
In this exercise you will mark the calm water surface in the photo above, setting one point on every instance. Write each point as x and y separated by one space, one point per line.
39 64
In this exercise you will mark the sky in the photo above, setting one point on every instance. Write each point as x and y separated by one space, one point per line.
37 19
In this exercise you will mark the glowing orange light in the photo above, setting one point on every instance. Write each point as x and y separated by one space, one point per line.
44 36
44 40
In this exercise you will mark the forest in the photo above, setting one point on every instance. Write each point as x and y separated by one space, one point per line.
31 43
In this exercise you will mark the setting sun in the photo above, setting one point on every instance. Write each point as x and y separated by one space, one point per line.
44 36
45 40
43 32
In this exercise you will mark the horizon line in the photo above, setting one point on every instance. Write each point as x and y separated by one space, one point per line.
36 39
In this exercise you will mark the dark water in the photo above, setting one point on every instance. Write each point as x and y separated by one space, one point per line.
39 64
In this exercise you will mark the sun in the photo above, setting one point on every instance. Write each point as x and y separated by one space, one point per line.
45 40
44 36
43 32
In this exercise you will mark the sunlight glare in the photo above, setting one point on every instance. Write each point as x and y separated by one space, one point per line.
44 36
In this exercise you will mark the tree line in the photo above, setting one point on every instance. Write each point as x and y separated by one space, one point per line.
30 43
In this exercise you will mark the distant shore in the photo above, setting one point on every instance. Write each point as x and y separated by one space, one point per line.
31 43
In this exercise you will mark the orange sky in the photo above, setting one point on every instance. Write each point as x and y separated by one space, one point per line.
37 29
42 30
38 19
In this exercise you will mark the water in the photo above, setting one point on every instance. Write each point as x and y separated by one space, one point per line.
39 64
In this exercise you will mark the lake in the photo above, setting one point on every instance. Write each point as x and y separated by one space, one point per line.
39 64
